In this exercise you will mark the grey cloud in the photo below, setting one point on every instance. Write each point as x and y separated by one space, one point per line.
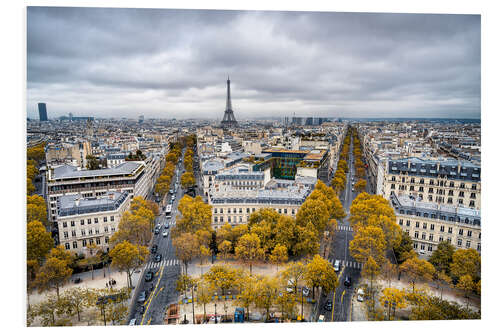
145 61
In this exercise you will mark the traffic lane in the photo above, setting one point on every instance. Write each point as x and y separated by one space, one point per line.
166 294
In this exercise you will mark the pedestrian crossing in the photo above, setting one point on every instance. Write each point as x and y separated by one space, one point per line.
164 262
348 263
344 228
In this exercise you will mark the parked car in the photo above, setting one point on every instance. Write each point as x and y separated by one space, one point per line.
157 257
305 291
336 265
142 297
328 305
154 248
157 231
289 287
165 233
149 276
347 281
142 308
132 322
321 318
166 226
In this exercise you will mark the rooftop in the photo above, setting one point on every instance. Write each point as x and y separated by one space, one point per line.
68 172
74 204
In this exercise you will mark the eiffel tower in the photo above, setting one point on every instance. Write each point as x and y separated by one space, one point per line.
229 120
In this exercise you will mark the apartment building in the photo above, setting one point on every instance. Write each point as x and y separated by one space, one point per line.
128 177
428 224
234 206
451 182
85 221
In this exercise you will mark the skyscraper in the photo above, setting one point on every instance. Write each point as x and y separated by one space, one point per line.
229 120
42 112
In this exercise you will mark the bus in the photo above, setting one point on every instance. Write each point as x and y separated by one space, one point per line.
168 210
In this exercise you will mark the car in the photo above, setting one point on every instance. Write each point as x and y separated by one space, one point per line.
157 231
289 287
173 197
305 291
142 308
149 276
336 265
171 191
321 318
328 305
352 189
168 217
165 233
132 322
166 226
154 248
157 257
347 281
361 295
421 252
142 296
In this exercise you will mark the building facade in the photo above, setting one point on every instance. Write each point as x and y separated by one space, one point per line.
428 224
451 182
42 112
87 221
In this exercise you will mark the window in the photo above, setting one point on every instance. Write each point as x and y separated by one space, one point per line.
279 210
460 201
65 224
241 219
431 190
89 221
90 231
82 222
432 226
97 231
215 219
450 200
429 248
106 239
285 211
424 225
459 242
112 218
479 246
471 203
467 244
417 224
72 223
234 210
461 194
91 241
73 233
469 233
105 229
229 219
98 241
441 228
448 239
66 245
83 232
96 220
420 189
474 187
415 245
253 209
393 186
450 230
423 235
393 178
248 210
462 185
84 242
412 188
430 197
400 221
431 182
416 234
105 219
422 247
450 192
293 211
431 237
441 239
65 234
461 232
241 210
408 223
75 245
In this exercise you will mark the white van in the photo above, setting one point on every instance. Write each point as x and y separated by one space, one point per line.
361 295
336 265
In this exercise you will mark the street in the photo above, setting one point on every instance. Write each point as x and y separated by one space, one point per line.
161 290
340 251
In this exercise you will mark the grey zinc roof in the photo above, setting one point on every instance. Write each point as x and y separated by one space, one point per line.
67 204
213 165
67 171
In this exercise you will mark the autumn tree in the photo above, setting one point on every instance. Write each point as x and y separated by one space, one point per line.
195 215
127 257
203 295
442 280
370 270
187 180
53 275
186 248
76 299
220 277
395 298
467 285
418 270
286 232
38 242
404 250
287 303
184 283
248 293
279 255
360 185
307 240
266 293
293 272
135 229
36 209
368 242
466 262
225 249
320 273
442 257
248 249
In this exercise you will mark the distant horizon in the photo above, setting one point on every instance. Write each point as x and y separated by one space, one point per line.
322 64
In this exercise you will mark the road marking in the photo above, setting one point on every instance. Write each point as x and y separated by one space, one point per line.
147 307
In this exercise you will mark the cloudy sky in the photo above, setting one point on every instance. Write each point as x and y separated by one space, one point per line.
174 63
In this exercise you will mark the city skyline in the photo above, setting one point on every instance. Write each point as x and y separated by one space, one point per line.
164 63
